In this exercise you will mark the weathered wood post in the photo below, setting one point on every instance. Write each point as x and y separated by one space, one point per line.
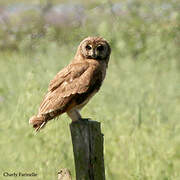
87 141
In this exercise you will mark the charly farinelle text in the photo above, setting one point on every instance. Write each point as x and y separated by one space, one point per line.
19 174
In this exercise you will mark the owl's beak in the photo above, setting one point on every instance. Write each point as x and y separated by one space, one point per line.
94 55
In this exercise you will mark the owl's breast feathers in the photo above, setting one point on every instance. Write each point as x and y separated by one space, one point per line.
72 87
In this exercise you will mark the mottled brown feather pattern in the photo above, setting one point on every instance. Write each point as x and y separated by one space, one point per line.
74 85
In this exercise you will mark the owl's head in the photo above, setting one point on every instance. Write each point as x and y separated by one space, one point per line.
95 48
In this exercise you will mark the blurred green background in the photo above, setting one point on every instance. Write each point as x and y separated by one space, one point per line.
138 105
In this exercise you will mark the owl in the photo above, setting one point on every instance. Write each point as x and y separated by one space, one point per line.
76 84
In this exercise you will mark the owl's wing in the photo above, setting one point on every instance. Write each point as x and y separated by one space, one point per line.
71 71
75 79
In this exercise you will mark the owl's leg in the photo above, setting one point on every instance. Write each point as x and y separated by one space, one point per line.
74 115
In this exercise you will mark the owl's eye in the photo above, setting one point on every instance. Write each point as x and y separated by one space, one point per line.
88 47
100 48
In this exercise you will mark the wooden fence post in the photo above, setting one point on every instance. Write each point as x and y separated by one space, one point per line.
87 141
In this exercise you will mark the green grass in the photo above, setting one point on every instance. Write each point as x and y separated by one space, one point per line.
138 105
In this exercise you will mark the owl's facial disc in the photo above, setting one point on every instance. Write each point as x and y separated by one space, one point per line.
97 51
95 48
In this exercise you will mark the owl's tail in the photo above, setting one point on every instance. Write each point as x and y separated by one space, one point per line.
38 122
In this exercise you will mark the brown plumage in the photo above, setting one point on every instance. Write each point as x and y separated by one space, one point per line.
74 85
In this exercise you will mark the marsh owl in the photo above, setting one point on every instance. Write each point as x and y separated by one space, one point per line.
75 84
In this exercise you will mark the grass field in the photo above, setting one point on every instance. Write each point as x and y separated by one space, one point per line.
138 105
